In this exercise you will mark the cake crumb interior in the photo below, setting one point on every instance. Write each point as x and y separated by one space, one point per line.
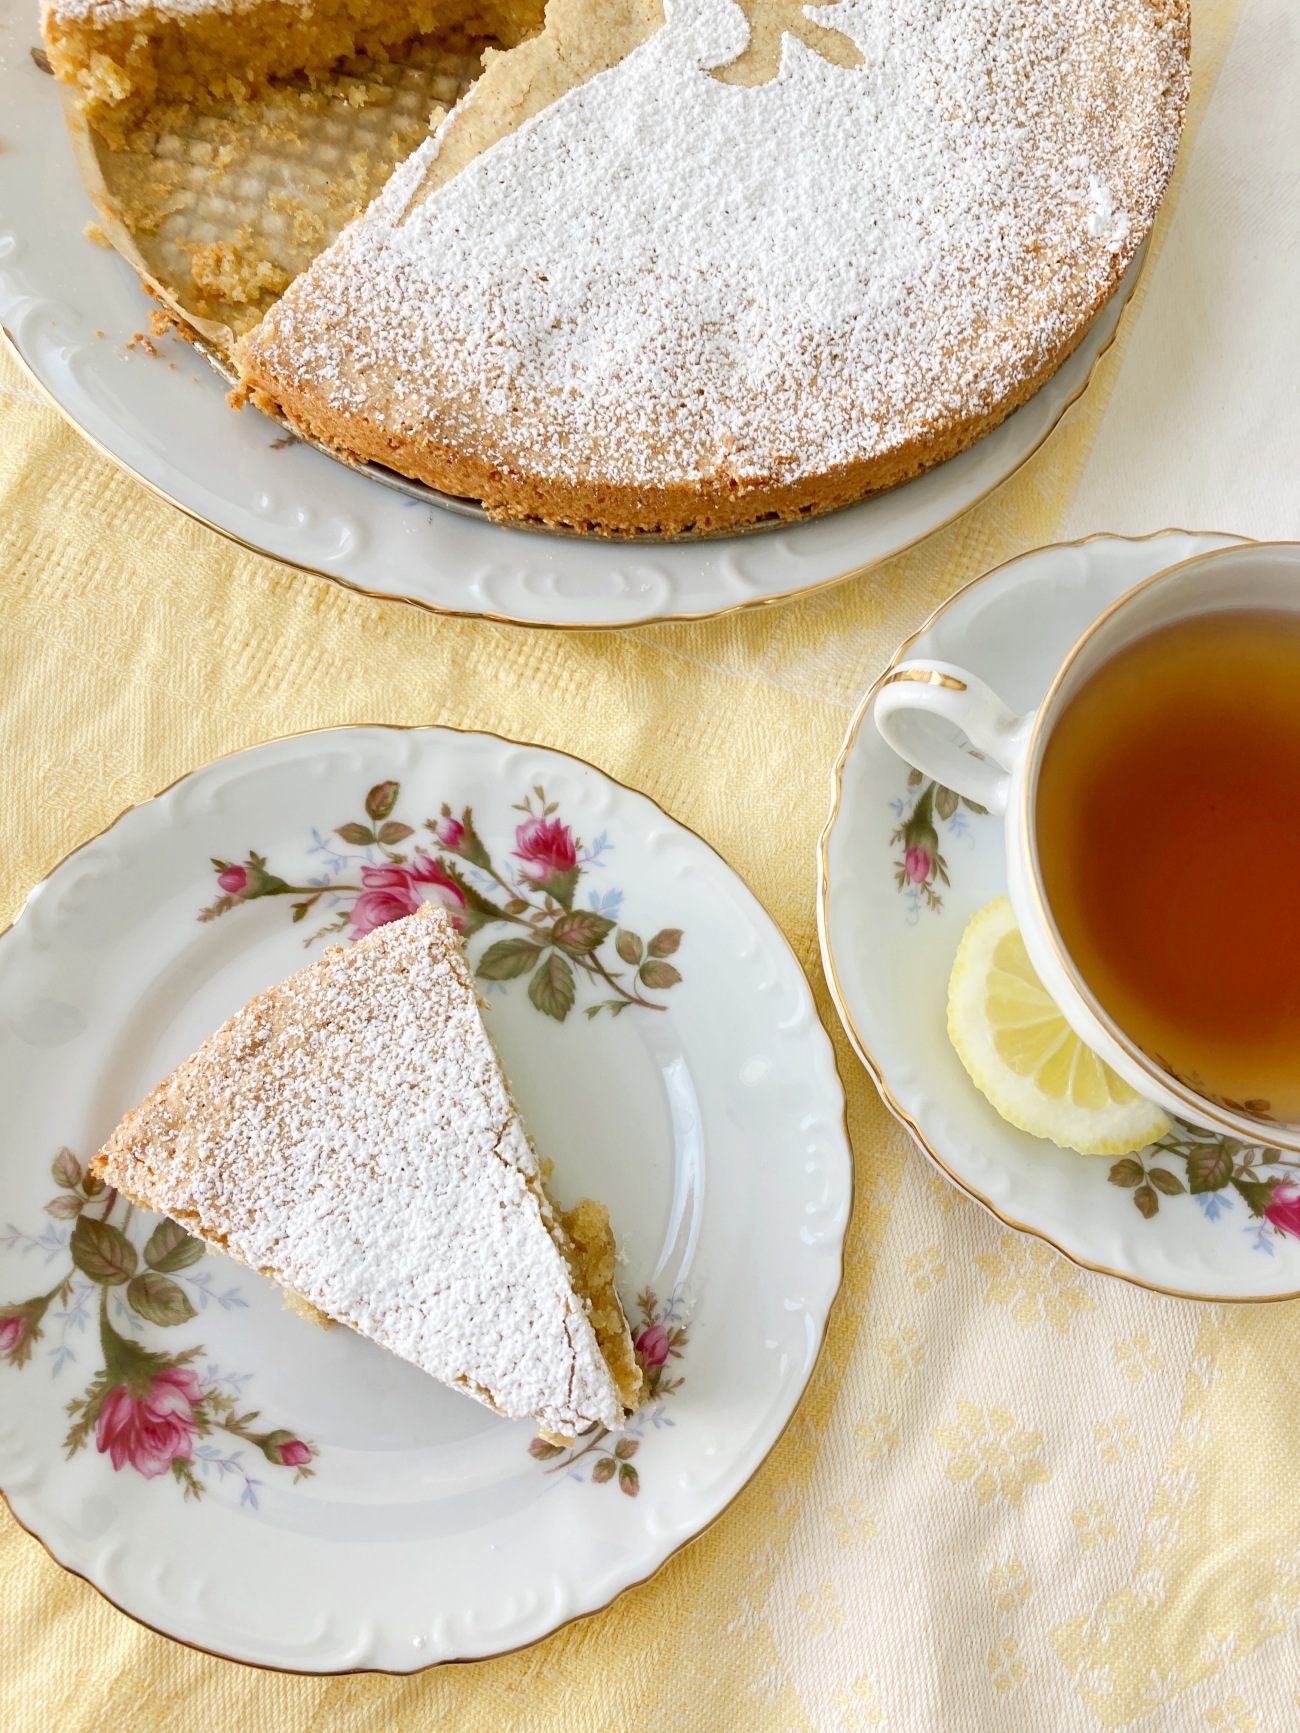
125 66
233 145
591 1254
226 203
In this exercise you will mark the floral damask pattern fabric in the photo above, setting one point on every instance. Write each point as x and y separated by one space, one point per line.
855 1585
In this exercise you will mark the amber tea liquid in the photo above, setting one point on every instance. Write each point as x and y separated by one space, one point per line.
1168 829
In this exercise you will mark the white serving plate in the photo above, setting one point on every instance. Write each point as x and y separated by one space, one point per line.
707 1114
174 431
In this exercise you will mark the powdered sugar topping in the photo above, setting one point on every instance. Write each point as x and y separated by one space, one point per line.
352 1136
665 276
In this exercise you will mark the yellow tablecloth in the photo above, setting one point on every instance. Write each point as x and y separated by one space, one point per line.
1018 1496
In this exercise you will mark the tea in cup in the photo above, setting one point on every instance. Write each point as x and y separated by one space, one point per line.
1152 811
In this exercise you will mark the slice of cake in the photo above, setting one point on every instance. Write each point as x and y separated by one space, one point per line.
351 1135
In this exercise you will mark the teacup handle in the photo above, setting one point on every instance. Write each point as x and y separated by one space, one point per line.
980 771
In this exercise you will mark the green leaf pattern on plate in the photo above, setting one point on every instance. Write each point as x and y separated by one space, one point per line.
557 944
147 1409
1218 1172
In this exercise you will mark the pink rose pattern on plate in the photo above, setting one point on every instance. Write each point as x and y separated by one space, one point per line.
552 939
151 1411
661 1336
919 813
152 1424
546 848
1220 1173
146 1409
390 892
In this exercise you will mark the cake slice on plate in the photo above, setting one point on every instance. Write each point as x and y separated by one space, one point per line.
351 1135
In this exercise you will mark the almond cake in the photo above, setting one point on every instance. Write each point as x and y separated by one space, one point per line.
688 265
350 1134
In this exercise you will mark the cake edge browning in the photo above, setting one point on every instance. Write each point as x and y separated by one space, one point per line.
512 490
582 1236
722 501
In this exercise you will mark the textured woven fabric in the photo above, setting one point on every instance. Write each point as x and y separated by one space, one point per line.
1018 1496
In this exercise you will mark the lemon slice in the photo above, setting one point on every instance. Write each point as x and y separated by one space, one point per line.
1023 1055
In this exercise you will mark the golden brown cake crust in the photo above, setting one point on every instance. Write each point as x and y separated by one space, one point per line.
686 271
697 505
568 331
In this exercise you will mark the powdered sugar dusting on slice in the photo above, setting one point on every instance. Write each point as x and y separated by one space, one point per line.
666 277
351 1135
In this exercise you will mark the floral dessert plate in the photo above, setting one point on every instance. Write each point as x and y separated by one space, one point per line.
904 864
72 312
297 1497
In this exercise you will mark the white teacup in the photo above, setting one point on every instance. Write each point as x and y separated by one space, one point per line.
921 705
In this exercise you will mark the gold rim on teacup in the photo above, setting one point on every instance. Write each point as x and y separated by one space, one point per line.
1001 764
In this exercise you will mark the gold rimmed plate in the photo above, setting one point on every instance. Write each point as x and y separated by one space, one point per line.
71 312
903 864
294 1497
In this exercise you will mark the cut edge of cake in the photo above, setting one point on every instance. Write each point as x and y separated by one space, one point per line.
125 56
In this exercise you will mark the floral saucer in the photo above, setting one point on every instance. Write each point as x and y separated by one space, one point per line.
296 1497
904 864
